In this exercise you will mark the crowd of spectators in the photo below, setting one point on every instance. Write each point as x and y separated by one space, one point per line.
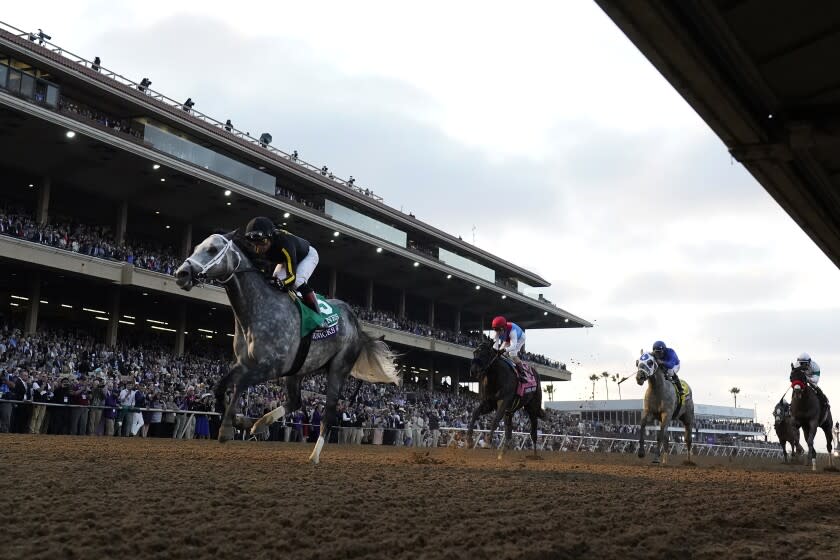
91 240
66 105
98 241
64 367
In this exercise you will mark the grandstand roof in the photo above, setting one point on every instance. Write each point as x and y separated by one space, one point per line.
763 75
89 161
710 410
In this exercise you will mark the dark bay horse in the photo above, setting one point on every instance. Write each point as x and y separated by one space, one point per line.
807 412
786 430
660 404
497 385
267 334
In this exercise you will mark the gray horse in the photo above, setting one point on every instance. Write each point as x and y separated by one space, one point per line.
267 335
660 404
808 413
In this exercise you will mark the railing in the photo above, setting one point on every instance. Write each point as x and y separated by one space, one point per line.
177 105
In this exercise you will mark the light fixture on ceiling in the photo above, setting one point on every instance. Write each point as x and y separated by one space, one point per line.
227 193
379 249
70 134
286 215
156 166
336 234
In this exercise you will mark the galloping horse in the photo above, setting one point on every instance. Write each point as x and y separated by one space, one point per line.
497 386
786 430
807 412
660 404
268 334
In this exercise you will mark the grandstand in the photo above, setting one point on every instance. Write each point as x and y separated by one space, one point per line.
713 423
107 185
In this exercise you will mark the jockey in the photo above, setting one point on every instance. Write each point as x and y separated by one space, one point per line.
667 358
294 257
812 373
511 338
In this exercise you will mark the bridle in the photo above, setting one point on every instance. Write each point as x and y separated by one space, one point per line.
205 268
484 368
645 369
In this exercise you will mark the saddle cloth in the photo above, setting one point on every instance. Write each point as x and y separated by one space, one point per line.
530 384
686 391
323 324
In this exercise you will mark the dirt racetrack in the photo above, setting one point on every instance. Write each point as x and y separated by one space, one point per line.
76 497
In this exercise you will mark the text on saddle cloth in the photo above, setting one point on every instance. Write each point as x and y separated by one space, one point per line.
322 325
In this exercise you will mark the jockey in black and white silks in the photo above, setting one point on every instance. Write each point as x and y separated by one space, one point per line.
294 257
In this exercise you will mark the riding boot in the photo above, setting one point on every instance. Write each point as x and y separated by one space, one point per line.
676 379
821 396
309 298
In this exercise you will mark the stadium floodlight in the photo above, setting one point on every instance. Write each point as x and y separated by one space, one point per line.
31 185
504 296
70 134
416 264
144 83
188 104
477 287
545 312
286 215
228 203
566 321
336 234
379 249
448 276
265 139
156 166
227 193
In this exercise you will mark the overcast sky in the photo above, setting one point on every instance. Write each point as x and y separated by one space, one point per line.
542 126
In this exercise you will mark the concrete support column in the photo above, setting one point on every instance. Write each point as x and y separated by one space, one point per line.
432 313
369 295
42 212
431 374
456 379
34 304
122 223
401 307
181 329
113 317
457 320
186 241
333 282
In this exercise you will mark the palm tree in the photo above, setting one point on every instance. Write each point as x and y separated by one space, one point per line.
550 390
735 391
606 376
593 378
615 379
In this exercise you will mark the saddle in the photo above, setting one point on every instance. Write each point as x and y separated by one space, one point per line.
680 397
526 377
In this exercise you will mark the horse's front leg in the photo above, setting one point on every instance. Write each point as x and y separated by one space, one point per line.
809 439
482 408
642 429
500 411
662 441
235 375
508 435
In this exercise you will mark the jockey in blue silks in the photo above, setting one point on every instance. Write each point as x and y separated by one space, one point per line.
669 361
511 338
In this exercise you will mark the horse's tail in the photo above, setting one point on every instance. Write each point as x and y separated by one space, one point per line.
268 419
376 362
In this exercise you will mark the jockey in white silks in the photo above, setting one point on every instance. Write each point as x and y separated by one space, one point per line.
669 361
812 373
511 338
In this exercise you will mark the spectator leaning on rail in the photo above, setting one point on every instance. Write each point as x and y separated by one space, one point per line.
511 338
294 257
670 363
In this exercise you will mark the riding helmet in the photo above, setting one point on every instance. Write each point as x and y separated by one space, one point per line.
659 346
499 323
803 359
259 228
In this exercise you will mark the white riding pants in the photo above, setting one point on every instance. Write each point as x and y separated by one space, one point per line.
673 370
304 271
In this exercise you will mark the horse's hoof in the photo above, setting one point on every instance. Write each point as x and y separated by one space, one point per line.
641 454
225 434
655 461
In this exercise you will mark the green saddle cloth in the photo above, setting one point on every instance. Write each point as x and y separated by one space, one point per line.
311 321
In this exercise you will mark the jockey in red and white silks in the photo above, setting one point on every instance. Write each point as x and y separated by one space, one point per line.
511 338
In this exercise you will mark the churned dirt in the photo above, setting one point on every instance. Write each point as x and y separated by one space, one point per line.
75 497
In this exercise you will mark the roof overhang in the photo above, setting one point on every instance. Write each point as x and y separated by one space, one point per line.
763 75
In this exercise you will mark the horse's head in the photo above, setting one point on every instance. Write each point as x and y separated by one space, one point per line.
483 357
781 411
645 368
215 258
798 377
